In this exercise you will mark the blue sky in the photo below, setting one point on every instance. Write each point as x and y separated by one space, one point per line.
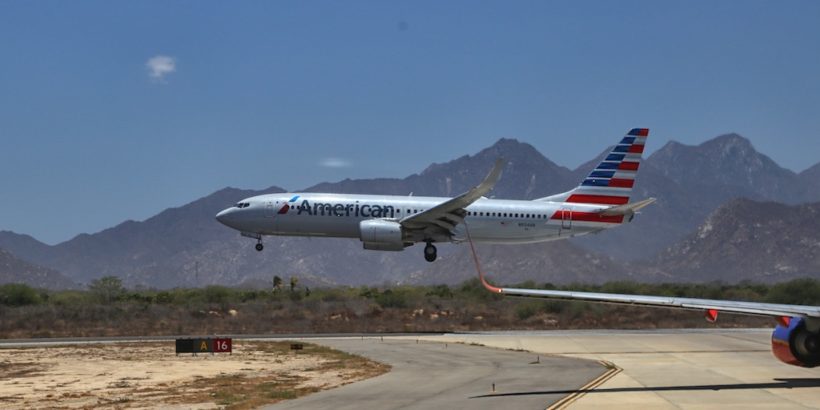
116 110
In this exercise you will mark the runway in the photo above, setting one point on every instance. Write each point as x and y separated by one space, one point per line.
673 369
432 375
654 369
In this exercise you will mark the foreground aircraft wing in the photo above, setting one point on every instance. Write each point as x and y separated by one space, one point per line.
711 307
749 308
450 213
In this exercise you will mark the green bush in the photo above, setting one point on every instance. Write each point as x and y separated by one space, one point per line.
216 294
107 289
526 310
71 298
798 292
441 291
18 294
392 299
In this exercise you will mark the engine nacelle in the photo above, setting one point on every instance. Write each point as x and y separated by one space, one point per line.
796 344
381 235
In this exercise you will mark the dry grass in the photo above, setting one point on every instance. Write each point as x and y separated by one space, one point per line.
239 392
126 375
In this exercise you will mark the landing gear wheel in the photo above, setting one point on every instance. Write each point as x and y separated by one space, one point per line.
430 252
259 246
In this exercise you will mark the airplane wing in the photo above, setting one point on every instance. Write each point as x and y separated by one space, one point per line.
748 308
711 307
450 213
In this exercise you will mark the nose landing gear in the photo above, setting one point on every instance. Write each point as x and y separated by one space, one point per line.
430 252
257 236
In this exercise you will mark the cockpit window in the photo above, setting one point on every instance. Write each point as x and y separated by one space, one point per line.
243 204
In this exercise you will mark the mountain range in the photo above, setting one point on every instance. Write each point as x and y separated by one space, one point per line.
185 246
15 270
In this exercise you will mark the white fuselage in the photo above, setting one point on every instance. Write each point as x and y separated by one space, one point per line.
339 215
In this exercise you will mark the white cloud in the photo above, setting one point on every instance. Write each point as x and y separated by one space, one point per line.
159 66
335 163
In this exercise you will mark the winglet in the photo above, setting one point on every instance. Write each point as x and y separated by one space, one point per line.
483 280
492 178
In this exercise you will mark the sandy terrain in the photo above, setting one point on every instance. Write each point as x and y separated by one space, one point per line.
141 375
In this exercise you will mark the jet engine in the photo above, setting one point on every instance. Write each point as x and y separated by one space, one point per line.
795 344
381 235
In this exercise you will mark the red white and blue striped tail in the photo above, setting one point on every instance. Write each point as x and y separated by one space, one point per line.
611 182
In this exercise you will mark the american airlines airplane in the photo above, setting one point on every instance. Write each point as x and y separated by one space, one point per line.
601 201
392 223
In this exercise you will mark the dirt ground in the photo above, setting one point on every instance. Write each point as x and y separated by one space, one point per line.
149 375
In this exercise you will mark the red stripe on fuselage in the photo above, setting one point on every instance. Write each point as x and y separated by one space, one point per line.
598 199
621 182
587 217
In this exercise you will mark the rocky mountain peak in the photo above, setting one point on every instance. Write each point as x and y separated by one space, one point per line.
745 239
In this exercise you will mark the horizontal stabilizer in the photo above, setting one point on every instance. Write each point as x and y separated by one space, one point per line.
627 209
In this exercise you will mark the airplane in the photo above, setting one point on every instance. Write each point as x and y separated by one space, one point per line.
392 223
601 201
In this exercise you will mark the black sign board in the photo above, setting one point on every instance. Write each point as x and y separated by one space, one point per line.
204 345
185 346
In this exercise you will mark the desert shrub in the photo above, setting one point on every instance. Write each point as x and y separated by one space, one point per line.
107 289
72 298
798 292
392 299
18 294
440 291
527 309
163 297
216 294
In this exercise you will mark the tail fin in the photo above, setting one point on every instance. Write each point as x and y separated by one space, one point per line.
610 183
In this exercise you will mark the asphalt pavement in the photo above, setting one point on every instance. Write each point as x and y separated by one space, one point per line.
433 375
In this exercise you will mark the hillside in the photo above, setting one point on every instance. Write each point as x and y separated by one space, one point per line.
14 270
749 240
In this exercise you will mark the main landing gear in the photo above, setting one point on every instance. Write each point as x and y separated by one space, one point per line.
430 252
259 245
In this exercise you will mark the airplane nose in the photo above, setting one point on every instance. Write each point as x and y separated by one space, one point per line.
222 216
